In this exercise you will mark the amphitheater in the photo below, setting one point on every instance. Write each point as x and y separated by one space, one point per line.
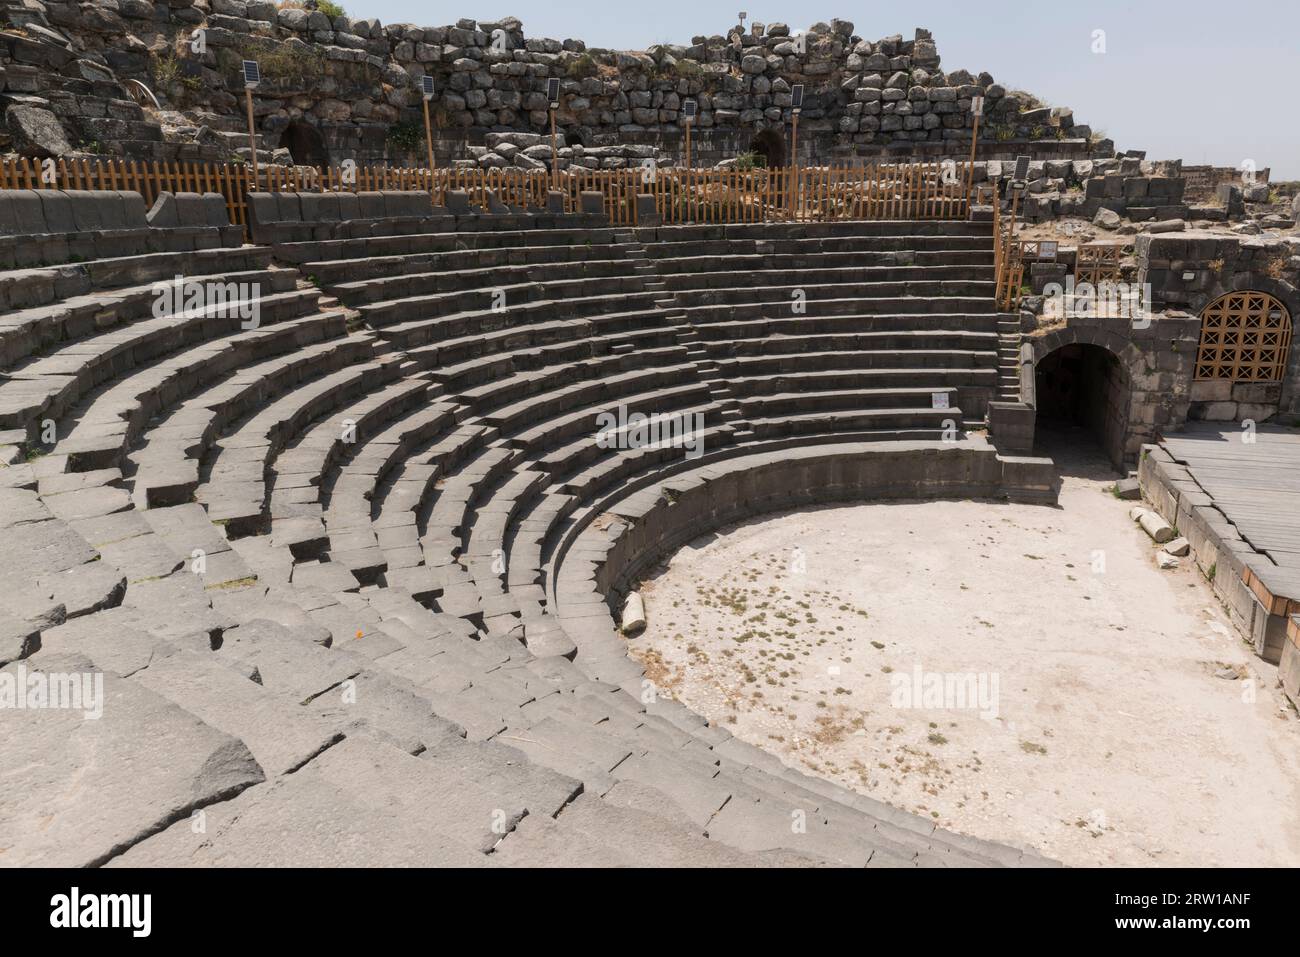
327 513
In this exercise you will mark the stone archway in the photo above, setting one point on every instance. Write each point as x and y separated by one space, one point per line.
770 145
305 144
1083 385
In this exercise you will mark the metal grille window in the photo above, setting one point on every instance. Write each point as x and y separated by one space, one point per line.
1245 337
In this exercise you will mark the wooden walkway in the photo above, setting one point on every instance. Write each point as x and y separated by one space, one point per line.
1255 485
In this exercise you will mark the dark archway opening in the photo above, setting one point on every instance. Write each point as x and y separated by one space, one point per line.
770 145
305 144
574 138
1083 388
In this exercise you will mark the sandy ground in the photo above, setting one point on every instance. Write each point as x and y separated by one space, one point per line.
1112 715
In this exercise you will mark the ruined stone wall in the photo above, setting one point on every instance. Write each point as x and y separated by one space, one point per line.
347 88
1192 269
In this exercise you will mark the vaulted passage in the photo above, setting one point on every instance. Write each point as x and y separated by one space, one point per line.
770 145
305 144
1085 386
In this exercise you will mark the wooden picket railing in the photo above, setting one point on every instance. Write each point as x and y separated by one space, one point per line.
934 190
1008 258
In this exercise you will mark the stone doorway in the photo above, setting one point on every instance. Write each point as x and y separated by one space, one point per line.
1083 386
305 144
770 145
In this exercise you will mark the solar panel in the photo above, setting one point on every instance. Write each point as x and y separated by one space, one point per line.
426 83
553 91
796 96
977 105
252 74
1022 168
688 109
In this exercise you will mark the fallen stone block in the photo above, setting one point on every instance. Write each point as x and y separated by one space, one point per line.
1155 526
633 614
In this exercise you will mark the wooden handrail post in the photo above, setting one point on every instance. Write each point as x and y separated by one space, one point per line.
970 172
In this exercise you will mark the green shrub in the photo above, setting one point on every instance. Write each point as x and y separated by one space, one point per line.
581 67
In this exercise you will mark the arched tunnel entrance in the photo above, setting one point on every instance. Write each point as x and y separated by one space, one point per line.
1083 386
305 144
770 145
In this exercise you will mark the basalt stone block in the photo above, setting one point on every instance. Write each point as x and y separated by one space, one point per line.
57 210
288 207
372 205
262 208
112 215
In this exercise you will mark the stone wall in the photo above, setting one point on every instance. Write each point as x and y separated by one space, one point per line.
1190 270
348 88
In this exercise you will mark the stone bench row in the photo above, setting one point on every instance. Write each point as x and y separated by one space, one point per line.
503 280
475 232
50 325
343 273
43 226
47 386
32 287
295 218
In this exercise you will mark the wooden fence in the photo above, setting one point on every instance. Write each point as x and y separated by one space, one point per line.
935 190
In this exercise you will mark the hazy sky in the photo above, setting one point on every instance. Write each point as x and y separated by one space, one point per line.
1179 79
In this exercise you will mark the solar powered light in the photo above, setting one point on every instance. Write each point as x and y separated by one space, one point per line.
796 98
1020 179
977 105
252 74
426 86
553 92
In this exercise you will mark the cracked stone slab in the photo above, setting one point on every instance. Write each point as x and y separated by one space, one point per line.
75 791
361 803
282 735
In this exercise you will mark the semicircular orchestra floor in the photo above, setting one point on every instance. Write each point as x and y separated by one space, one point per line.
1017 673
